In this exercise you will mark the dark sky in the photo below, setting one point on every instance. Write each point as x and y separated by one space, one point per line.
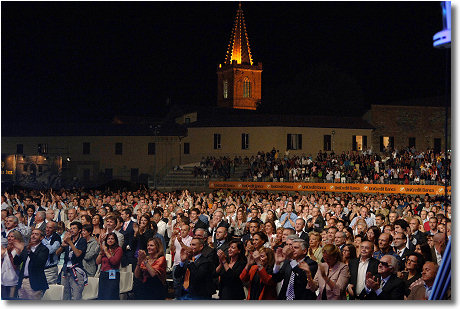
81 61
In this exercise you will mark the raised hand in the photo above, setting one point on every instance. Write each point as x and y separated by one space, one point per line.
279 256
141 257
222 257
304 266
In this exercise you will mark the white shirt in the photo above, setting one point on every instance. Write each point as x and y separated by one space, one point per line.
187 241
361 278
26 267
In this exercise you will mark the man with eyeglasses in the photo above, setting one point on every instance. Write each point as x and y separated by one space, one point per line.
386 285
401 248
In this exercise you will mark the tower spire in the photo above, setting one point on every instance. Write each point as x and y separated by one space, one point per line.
238 48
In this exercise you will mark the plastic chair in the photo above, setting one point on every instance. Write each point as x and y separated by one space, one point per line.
91 290
54 292
127 269
126 282
168 262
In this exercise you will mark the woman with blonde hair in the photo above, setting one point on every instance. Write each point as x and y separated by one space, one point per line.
332 277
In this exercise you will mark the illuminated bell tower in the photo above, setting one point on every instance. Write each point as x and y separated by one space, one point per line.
239 81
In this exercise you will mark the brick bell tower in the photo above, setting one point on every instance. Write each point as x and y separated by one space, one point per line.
239 81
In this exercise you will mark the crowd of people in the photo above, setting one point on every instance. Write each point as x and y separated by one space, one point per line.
406 166
230 245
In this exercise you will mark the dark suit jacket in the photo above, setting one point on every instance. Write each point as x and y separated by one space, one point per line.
221 223
36 267
199 224
305 237
300 279
393 290
419 237
128 236
402 261
353 264
201 276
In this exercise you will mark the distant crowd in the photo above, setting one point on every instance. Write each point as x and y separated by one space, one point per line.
230 245
405 166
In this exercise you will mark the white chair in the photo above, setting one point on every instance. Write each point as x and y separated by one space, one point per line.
127 269
279 285
54 292
59 268
91 290
98 271
168 262
126 282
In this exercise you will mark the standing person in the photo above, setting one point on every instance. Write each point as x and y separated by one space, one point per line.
413 270
9 270
423 291
52 241
198 272
359 268
315 251
287 220
294 277
151 271
92 250
97 225
110 226
258 274
238 225
110 259
299 229
31 262
73 277
332 277
180 240
229 270
386 286
128 234
348 253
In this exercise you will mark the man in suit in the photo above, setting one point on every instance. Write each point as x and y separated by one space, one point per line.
52 241
221 242
299 229
198 272
386 285
416 236
40 221
127 230
340 239
294 278
254 227
216 222
423 291
195 222
439 246
31 260
359 267
402 248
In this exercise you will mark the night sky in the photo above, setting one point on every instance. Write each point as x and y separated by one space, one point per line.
87 61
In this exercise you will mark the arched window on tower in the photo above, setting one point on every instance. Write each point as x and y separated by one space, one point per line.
225 89
246 88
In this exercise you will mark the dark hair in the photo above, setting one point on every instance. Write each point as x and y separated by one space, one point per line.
377 233
127 211
420 261
87 217
88 228
402 223
239 245
78 224
426 251
116 245
195 209
101 221
352 249
262 235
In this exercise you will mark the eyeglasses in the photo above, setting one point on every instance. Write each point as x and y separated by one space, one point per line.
384 264
412 261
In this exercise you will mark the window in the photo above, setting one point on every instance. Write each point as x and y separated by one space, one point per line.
118 148
327 143
134 174
437 145
411 142
86 148
359 142
294 141
108 173
217 144
19 148
151 149
86 174
386 142
186 148
187 120
244 141
246 88
225 86
42 148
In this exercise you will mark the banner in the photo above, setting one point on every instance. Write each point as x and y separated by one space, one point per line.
330 187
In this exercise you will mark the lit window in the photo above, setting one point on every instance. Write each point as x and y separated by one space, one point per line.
386 142
359 142
42 148
225 89
246 88
217 144
294 141
244 141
